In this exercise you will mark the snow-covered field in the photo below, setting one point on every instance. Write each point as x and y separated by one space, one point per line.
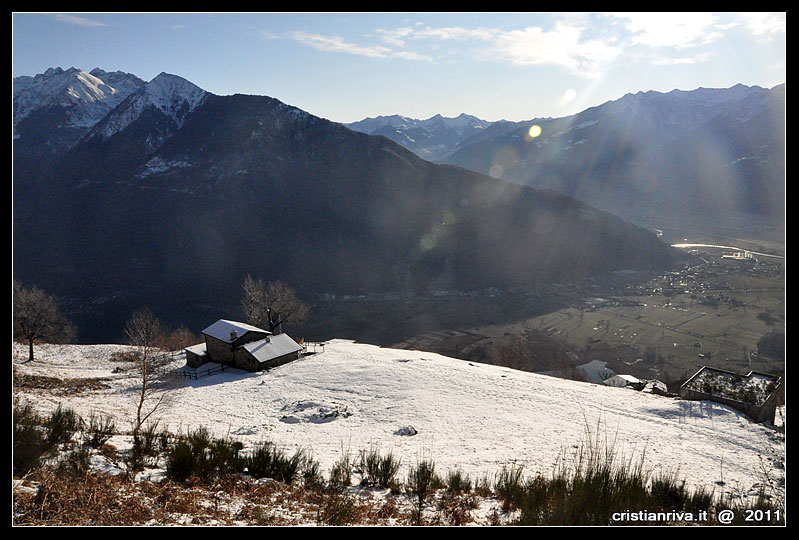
474 417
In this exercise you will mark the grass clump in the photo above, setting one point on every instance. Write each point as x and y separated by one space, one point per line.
341 473
509 485
379 470
200 456
599 487
29 442
61 426
586 490
181 462
422 481
99 430
268 461
36 437
458 482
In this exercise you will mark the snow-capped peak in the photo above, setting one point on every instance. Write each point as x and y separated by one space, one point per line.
91 97
174 96
87 96
166 91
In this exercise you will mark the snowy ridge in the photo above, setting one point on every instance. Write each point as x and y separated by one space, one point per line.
463 120
687 109
431 139
474 417
88 96
174 96
369 125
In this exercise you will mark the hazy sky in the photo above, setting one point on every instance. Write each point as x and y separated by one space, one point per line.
347 66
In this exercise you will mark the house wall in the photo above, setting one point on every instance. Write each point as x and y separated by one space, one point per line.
244 360
279 361
195 360
219 351
770 406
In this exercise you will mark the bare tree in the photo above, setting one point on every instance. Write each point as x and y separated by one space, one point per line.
145 332
272 304
180 339
37 317
253 300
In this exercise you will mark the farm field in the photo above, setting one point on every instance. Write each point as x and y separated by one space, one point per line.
713 312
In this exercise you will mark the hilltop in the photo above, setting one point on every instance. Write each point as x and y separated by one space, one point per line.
472 417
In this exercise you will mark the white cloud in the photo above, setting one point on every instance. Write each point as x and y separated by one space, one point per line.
679 30
408 55
80 21
561 47
456 33
395 36
674 61
338 44
570 44
765 23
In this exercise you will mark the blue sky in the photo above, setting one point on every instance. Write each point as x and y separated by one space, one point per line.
347 66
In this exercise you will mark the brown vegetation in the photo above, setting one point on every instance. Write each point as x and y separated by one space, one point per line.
58 386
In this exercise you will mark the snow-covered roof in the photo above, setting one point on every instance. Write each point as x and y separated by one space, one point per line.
272 347
198 349
622 380
222 328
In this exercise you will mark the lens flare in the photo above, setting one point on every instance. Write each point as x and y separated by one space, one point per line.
496 170
535 131
428 242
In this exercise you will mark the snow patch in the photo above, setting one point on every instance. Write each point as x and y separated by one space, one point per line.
581 125
158 165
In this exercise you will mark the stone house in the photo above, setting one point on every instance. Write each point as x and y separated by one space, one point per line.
242 346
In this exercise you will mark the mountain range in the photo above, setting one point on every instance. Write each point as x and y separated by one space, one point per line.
130 193
432 139
712 156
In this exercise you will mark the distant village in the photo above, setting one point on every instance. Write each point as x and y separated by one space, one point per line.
697 279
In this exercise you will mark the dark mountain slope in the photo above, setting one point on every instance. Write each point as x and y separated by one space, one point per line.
248 184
